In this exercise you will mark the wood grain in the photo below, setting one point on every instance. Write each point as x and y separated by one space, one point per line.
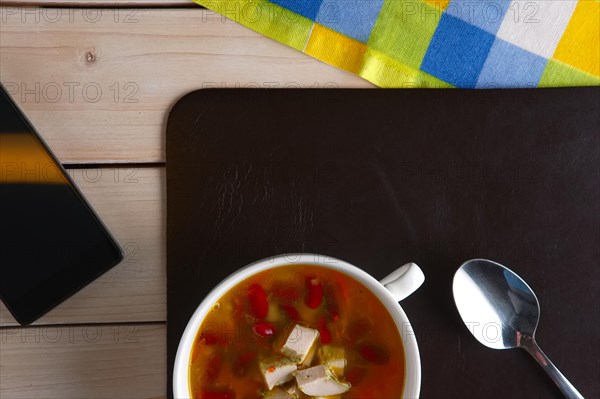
100 3
94 361
98 84
101 91
132 203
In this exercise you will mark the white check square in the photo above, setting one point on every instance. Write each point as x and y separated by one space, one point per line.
536 26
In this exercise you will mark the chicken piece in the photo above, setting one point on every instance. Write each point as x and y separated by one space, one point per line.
320 381
309 357
333 357
279 393
293 390
299 342
277 370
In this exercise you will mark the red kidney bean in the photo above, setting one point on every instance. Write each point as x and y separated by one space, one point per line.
263 329
373 353
291 312
259 307
324 333
314 292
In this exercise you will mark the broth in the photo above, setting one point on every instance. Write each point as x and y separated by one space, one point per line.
251 321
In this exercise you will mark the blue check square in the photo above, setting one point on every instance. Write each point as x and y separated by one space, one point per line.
306 8
510 66
457 52
353 18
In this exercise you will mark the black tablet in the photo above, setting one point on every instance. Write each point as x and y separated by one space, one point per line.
51 241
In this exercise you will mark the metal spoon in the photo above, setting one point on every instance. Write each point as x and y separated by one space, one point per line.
502 312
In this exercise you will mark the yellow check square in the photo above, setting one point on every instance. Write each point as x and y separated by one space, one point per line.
580 44
335 49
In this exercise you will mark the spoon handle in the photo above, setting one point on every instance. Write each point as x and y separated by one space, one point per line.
559 379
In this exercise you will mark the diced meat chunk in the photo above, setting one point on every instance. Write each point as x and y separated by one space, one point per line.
333 357
306 363
320 381
293 390
299 342
279 393
276 371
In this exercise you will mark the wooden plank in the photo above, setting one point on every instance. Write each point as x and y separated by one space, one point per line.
100 92
132 203
98 361
100 3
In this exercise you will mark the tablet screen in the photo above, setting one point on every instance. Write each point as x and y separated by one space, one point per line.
51 242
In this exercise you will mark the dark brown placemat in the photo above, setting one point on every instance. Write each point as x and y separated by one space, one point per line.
382 177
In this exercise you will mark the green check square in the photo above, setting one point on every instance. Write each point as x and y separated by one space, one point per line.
280 24
404 29
561 74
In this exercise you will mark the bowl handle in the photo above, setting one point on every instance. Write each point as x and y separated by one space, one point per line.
403 281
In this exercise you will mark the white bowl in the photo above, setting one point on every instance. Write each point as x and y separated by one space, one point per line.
393 288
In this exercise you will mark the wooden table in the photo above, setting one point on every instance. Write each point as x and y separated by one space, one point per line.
98 82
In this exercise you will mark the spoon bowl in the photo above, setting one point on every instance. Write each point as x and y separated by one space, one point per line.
502 312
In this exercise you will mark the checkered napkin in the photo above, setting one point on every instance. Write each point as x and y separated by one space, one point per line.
437 43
